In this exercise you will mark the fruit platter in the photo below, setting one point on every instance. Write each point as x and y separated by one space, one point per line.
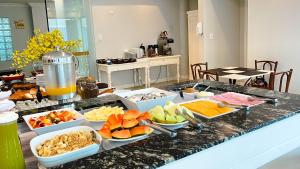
53 120
125 127
167 117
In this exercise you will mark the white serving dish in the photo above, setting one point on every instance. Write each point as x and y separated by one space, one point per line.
172 126
65 157
211 100
145 105
97 125
79 120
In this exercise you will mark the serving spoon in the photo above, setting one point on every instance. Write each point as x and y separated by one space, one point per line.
270 100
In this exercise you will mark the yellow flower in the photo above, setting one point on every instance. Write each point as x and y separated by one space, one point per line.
40 44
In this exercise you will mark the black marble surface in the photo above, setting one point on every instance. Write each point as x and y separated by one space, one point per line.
159 150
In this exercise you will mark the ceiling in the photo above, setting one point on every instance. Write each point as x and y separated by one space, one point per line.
22 1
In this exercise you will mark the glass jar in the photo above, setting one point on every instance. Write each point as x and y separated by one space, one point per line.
87 88
11 156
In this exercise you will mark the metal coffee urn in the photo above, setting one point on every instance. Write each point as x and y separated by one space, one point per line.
59 73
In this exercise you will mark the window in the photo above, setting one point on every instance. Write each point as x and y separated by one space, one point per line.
6 45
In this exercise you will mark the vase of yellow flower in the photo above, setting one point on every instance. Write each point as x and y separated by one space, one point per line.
39 45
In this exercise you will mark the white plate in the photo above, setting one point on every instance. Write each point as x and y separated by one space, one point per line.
79 120
172 126
196 113
65 157
145 105
132 138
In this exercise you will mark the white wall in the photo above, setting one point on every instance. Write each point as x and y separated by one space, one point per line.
20 36
222 19
274 34
120 25
39 16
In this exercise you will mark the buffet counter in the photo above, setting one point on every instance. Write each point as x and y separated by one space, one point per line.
236 140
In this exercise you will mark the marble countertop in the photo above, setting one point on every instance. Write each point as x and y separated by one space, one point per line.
159 149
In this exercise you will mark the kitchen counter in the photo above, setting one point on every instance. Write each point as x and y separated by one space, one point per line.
236 140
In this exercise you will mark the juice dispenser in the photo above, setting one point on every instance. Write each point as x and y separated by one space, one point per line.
59 73
11 156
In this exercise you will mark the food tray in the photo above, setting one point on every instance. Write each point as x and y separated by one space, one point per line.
65 157
145 105
205 116
79 120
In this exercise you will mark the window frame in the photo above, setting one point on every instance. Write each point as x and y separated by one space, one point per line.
8 44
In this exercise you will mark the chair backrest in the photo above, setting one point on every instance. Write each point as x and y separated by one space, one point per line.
273 76
198 67
209 75
272 65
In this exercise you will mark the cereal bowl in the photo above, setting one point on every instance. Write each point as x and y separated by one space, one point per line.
65 157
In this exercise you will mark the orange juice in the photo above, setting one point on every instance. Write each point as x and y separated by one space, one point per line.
61 91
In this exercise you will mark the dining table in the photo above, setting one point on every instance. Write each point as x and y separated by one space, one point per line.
234 74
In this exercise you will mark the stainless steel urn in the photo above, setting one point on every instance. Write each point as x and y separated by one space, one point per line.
59 73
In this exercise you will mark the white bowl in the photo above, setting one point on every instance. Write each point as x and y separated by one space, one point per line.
65 157
145 105
79 120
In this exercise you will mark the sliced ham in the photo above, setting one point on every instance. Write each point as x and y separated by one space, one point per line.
236 99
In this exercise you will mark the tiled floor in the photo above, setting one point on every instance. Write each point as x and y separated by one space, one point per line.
288 161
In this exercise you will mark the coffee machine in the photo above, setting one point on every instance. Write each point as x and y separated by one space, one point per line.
163 42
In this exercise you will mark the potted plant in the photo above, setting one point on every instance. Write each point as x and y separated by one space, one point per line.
39 45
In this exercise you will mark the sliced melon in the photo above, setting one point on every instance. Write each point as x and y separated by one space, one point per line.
131 114
171 119
144 116
130 123
121 134
115 126
115 118
105 133
140 130
158 114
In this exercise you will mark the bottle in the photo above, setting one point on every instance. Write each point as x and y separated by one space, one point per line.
11 156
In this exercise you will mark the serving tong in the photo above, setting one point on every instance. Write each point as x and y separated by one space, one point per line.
241 107
168 132
195 122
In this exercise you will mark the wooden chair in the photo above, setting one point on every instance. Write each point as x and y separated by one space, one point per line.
198 67
271 64
209 75
273 76
263 65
